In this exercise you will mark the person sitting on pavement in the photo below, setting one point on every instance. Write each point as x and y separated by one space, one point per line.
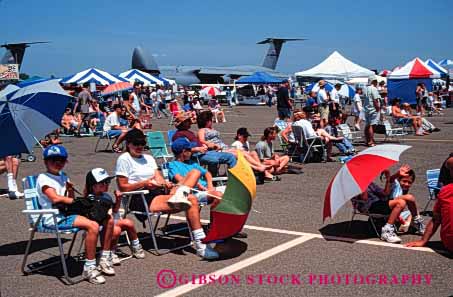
426 125
241 143
136 171
183 164
343 145
113 128
265 150
207 154
54 187
442 216
97 183
10 165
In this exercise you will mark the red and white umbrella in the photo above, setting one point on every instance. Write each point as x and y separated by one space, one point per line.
211 91
116 88
356 175
414 69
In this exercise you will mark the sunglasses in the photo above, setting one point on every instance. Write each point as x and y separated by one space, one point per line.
139 143
57 159
105 182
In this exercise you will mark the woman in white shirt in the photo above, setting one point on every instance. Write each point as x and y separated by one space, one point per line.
137 171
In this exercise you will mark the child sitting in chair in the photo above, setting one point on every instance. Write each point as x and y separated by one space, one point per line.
53 188
97 183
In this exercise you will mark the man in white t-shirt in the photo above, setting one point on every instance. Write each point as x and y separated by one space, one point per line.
113 128
162 102
323 101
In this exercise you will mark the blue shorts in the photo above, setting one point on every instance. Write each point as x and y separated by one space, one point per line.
114 133
284 112
63 222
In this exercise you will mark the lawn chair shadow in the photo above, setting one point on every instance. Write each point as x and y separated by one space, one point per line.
75 271
359 230
18 248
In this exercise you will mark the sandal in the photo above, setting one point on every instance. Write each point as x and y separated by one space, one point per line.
274 178
116 149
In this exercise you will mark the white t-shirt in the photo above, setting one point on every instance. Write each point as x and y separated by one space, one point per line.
135 169
335 96
160 95
308 128
357 105
135 103
57 182
241 146
111 121
322 96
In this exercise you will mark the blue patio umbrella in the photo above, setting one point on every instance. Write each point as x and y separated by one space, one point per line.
28 114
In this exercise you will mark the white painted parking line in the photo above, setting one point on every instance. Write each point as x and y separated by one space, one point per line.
238 266
330 237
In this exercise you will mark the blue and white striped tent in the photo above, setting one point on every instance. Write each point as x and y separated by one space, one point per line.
443 72
99 77
346 90
135 75
446 63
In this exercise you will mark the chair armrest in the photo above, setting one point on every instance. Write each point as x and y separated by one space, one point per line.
41 211
434 188
221 178
138 192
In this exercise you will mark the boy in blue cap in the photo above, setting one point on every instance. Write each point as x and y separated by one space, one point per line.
183 164
54 187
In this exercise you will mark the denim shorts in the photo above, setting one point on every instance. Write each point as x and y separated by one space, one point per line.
63 222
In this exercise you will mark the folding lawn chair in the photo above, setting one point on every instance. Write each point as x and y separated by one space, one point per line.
308 145
157 145
35 219
373 217
432 179
395 133
126 201
352 136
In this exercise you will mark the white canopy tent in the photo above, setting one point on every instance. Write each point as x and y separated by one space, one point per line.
336 67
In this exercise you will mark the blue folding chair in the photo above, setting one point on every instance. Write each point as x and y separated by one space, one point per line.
170 134
432 180
35 219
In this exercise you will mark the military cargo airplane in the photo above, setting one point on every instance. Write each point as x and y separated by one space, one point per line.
187 75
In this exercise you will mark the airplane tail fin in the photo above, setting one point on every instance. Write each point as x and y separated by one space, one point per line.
275 47
143 61
15 52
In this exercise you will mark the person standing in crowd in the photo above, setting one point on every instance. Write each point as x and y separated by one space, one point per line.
10 165
284 104
134 102
83 103
419 94
372 111
323 107
270 94
357 108
162 105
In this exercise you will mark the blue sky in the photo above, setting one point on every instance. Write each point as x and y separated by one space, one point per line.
375 34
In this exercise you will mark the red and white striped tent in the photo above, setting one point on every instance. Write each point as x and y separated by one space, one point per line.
413 70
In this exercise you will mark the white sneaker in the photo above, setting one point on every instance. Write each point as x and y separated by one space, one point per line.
115 259
179 200
206 252
388 234
106 266
93 275
419 225
138 252
15 195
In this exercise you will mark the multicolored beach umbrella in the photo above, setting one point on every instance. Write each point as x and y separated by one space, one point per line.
231 213
356 175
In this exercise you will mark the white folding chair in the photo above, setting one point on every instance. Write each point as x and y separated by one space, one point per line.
393 133
308 144
35 219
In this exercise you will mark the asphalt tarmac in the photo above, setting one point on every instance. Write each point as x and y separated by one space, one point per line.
289 250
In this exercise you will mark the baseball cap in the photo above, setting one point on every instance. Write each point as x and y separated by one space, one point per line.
55 151
97 175
181 144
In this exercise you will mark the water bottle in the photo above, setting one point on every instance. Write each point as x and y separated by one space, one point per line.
165 171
